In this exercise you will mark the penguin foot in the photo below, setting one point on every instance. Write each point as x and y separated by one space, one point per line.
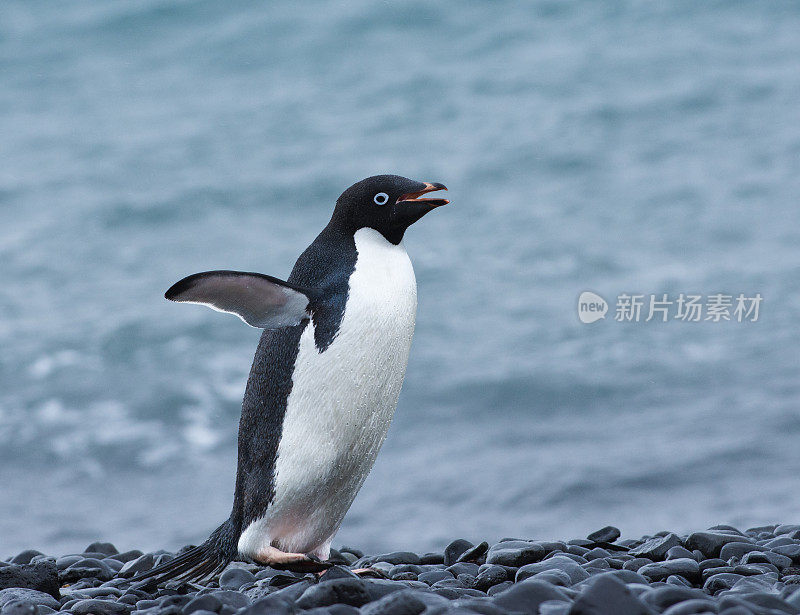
293 562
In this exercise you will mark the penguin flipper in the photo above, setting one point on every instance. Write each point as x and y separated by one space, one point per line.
259 300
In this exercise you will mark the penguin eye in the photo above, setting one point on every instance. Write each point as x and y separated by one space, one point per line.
381 198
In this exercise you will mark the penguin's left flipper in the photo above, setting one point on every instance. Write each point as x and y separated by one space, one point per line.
259 300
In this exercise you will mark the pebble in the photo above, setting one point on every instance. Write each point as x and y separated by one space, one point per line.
28 595
526 597
455 550
710 543
234 578
515 553
656 548
607 534
608 596
559 562
719 571
41 576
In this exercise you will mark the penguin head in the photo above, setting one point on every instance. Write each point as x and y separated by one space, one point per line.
387 203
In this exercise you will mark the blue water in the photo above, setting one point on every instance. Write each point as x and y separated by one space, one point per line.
610 146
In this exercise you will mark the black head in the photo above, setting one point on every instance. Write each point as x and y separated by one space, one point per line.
387 203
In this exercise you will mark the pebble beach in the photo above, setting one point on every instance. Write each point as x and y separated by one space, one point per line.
722 570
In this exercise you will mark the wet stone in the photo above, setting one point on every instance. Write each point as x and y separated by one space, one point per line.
490 575
710 543
463 568
606 534
431 558
101 547
434 576
767 557
25 557
718 582
404 602
28 595
554 577
792 551
656 548
514 553
19 607
41 576
234 599
475 553
398 557
636 563
679 552
559 562
595 565
695 606
206 602
340 572
526 597
99 607
608 596
500 587
658 571
737 550
455 550
596 553
234 578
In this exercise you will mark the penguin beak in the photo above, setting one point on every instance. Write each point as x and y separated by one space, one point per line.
410 207
414 197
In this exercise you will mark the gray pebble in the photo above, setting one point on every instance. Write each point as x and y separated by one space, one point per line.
656 548
434 576
490 575
454 550
526 597
608 596
679 552
206 602
514 553
234 578
559 562
711 543
404 602
28 595
41 576
606 534
100 607
658 571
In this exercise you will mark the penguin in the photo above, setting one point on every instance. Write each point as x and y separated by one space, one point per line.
324 382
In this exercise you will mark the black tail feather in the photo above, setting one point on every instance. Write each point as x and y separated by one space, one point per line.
197 563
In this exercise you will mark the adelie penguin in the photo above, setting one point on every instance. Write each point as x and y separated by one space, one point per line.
324 382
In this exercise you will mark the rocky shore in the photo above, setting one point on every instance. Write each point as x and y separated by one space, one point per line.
722 571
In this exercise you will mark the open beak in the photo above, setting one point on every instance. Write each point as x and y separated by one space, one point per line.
414 197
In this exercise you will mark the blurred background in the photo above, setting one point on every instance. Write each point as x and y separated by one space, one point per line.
617 146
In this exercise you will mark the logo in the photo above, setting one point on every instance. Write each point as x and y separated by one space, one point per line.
591 307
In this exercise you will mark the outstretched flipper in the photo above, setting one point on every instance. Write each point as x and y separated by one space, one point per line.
259 300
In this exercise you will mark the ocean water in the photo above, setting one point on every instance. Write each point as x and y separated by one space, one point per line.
614 146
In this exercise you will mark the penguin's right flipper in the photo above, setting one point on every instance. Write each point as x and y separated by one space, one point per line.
259 300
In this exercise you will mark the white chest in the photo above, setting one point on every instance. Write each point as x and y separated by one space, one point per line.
343 400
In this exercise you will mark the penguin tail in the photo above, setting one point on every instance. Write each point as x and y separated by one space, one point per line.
196 564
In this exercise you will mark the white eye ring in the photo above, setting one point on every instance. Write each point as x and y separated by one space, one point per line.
381 198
